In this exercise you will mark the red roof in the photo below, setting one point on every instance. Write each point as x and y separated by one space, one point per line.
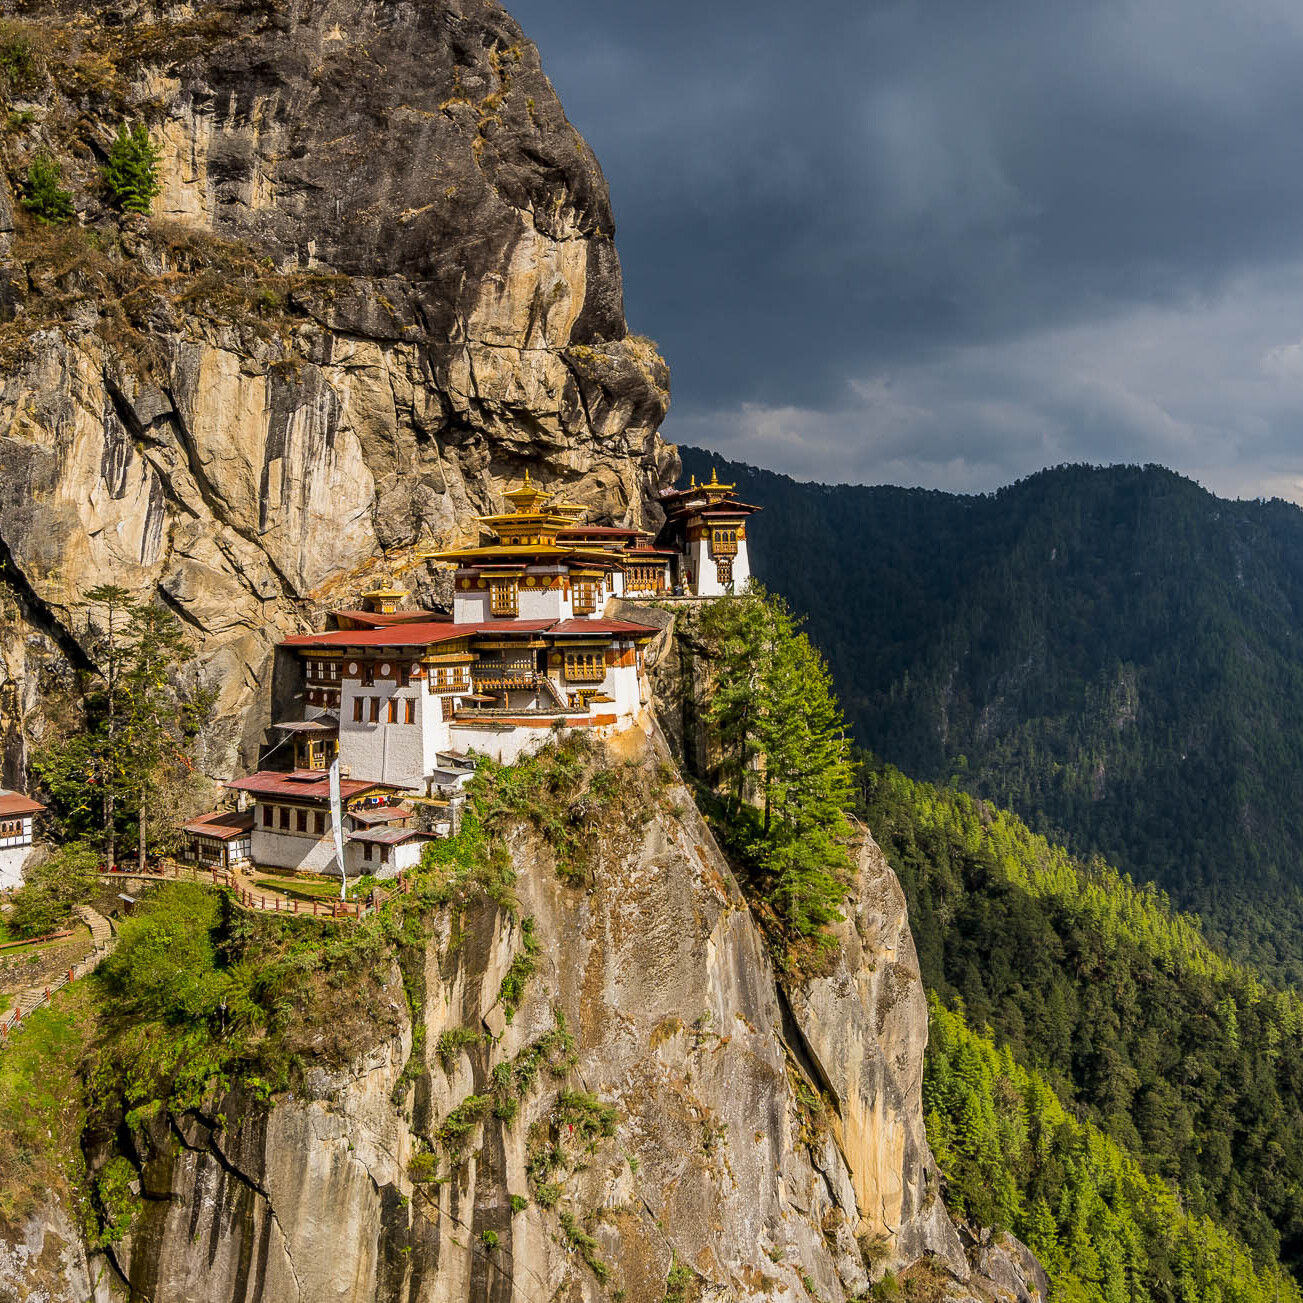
599 531
411 635
601 626
305 784
16 803
221 824
377 621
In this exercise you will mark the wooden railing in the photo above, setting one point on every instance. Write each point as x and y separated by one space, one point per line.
36 997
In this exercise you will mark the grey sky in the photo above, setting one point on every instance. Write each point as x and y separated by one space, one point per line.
946 243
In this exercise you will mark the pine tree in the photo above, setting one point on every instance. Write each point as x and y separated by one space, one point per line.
137 722
780 732
43 196
131 173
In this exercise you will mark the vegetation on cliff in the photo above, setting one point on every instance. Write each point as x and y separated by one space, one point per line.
1113 653
121 767
1179 1058
784 764
201 997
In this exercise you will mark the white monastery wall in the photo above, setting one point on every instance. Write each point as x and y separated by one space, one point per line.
275 848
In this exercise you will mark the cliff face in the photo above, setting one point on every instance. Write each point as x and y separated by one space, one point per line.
379 281
762 1140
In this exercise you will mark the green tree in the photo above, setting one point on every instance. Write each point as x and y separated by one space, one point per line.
781 740
131 173
138 723
43 196
165 965
53 889
154 728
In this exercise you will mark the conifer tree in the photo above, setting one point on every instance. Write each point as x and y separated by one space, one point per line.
131 173
781 739
137 722
43 196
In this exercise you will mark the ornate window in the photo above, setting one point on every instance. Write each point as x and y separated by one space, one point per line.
584 595
585 666
503 596
724 570
723 542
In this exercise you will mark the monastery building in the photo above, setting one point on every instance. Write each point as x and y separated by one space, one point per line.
406 699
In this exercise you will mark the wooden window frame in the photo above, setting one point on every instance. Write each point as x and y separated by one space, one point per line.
358 710
392 711
284 820
504 598
375 710
268 816
319 823
410 711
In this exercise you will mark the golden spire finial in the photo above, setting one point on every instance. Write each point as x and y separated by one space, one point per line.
714 478
693 485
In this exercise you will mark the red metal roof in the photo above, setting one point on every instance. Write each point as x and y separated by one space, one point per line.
377 621
601 626
12 803
304 784
599 531
410 635
221 824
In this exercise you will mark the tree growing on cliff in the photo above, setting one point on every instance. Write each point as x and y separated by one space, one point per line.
785 762
138 723
131 172
43 197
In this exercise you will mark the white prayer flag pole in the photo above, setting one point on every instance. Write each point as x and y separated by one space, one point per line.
337 823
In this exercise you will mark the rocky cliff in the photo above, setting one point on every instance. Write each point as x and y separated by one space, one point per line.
690 1120
380 280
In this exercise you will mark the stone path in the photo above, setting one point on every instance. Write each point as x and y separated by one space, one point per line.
33 997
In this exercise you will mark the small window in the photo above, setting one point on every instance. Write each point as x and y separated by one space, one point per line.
411 710
266 816
375 709
357 710
319 823
384 854
301 820
285 817
366 851
504 597
404 676
393 710
368 674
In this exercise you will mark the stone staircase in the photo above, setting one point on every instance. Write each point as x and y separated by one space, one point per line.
33 997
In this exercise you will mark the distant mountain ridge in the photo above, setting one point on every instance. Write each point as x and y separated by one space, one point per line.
1115 653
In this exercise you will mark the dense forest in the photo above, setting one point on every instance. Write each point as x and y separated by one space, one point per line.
1096 992
1115 654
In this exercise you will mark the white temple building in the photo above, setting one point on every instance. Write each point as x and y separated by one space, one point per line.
17 843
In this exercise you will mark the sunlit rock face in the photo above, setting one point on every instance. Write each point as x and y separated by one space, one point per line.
440 307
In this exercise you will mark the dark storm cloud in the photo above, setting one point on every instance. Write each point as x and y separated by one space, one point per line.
950 241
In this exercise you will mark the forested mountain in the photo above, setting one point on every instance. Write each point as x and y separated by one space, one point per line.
1130 1076
1115 653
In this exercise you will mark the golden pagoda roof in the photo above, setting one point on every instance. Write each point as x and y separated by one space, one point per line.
527 497
387 589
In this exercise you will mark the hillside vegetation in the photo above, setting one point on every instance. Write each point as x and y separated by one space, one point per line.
1174 1065
1113 653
